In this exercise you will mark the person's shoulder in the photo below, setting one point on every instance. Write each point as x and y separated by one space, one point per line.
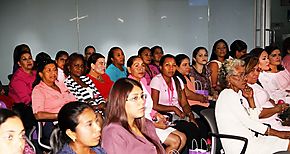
99 150
66 149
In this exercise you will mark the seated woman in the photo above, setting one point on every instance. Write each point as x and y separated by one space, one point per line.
60 60
156 53
145 54
79 130
168 96
12 134
96 65
82 87
238 49
173 139
220 52
20 86
48 94
268 111
125 120
274 79
115 64
234 119
198 99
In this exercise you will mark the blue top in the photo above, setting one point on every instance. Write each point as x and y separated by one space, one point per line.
66 149
115 73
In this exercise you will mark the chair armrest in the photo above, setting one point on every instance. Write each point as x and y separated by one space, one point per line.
232 137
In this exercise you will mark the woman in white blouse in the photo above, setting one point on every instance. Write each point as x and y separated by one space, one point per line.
233 118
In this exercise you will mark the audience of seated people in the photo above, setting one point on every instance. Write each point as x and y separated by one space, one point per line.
79 130
172 138
97 67
175 91
156 53
237 49
115 64
266 108
126 129
220 52
233 118
81 86
168 96
60 60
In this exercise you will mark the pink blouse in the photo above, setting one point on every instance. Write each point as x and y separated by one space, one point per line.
47 99
20 87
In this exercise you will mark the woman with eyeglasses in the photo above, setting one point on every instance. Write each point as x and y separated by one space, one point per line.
126 129
172 138
267 109
234 119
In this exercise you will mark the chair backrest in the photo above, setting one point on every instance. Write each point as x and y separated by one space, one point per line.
40 135
209 115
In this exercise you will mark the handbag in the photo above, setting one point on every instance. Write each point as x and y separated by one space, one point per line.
199 150
173 151
200 89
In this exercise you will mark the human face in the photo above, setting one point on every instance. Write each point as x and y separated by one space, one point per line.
26 62
169 67
157 54
146 56
76 67
134 105
264 61
239 54
237 80
221 49
100 66
275 58
201 57
253 76
12 136
61 61
118 57
89 52
137 70
184 67
49 73
88 131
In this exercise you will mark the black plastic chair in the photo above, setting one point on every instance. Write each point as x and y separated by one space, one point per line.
209 115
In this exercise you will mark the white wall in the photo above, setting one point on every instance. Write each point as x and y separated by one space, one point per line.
177 25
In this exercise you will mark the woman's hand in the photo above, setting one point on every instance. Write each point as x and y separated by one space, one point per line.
248 92
179 113
280 108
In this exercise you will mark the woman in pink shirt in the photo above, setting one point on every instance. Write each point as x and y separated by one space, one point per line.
48 95
20 86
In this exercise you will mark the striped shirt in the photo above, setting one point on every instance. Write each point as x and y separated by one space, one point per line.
88 94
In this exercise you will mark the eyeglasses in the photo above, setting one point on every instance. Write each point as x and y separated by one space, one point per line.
239 76
137 98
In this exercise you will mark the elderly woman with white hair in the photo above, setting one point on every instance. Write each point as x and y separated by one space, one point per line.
233 118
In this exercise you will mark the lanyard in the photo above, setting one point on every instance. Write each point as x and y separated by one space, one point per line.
170 93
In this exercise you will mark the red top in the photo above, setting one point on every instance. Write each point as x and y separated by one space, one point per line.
103 87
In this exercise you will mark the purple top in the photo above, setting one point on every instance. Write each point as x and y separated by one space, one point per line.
20 87
116 139
68 150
